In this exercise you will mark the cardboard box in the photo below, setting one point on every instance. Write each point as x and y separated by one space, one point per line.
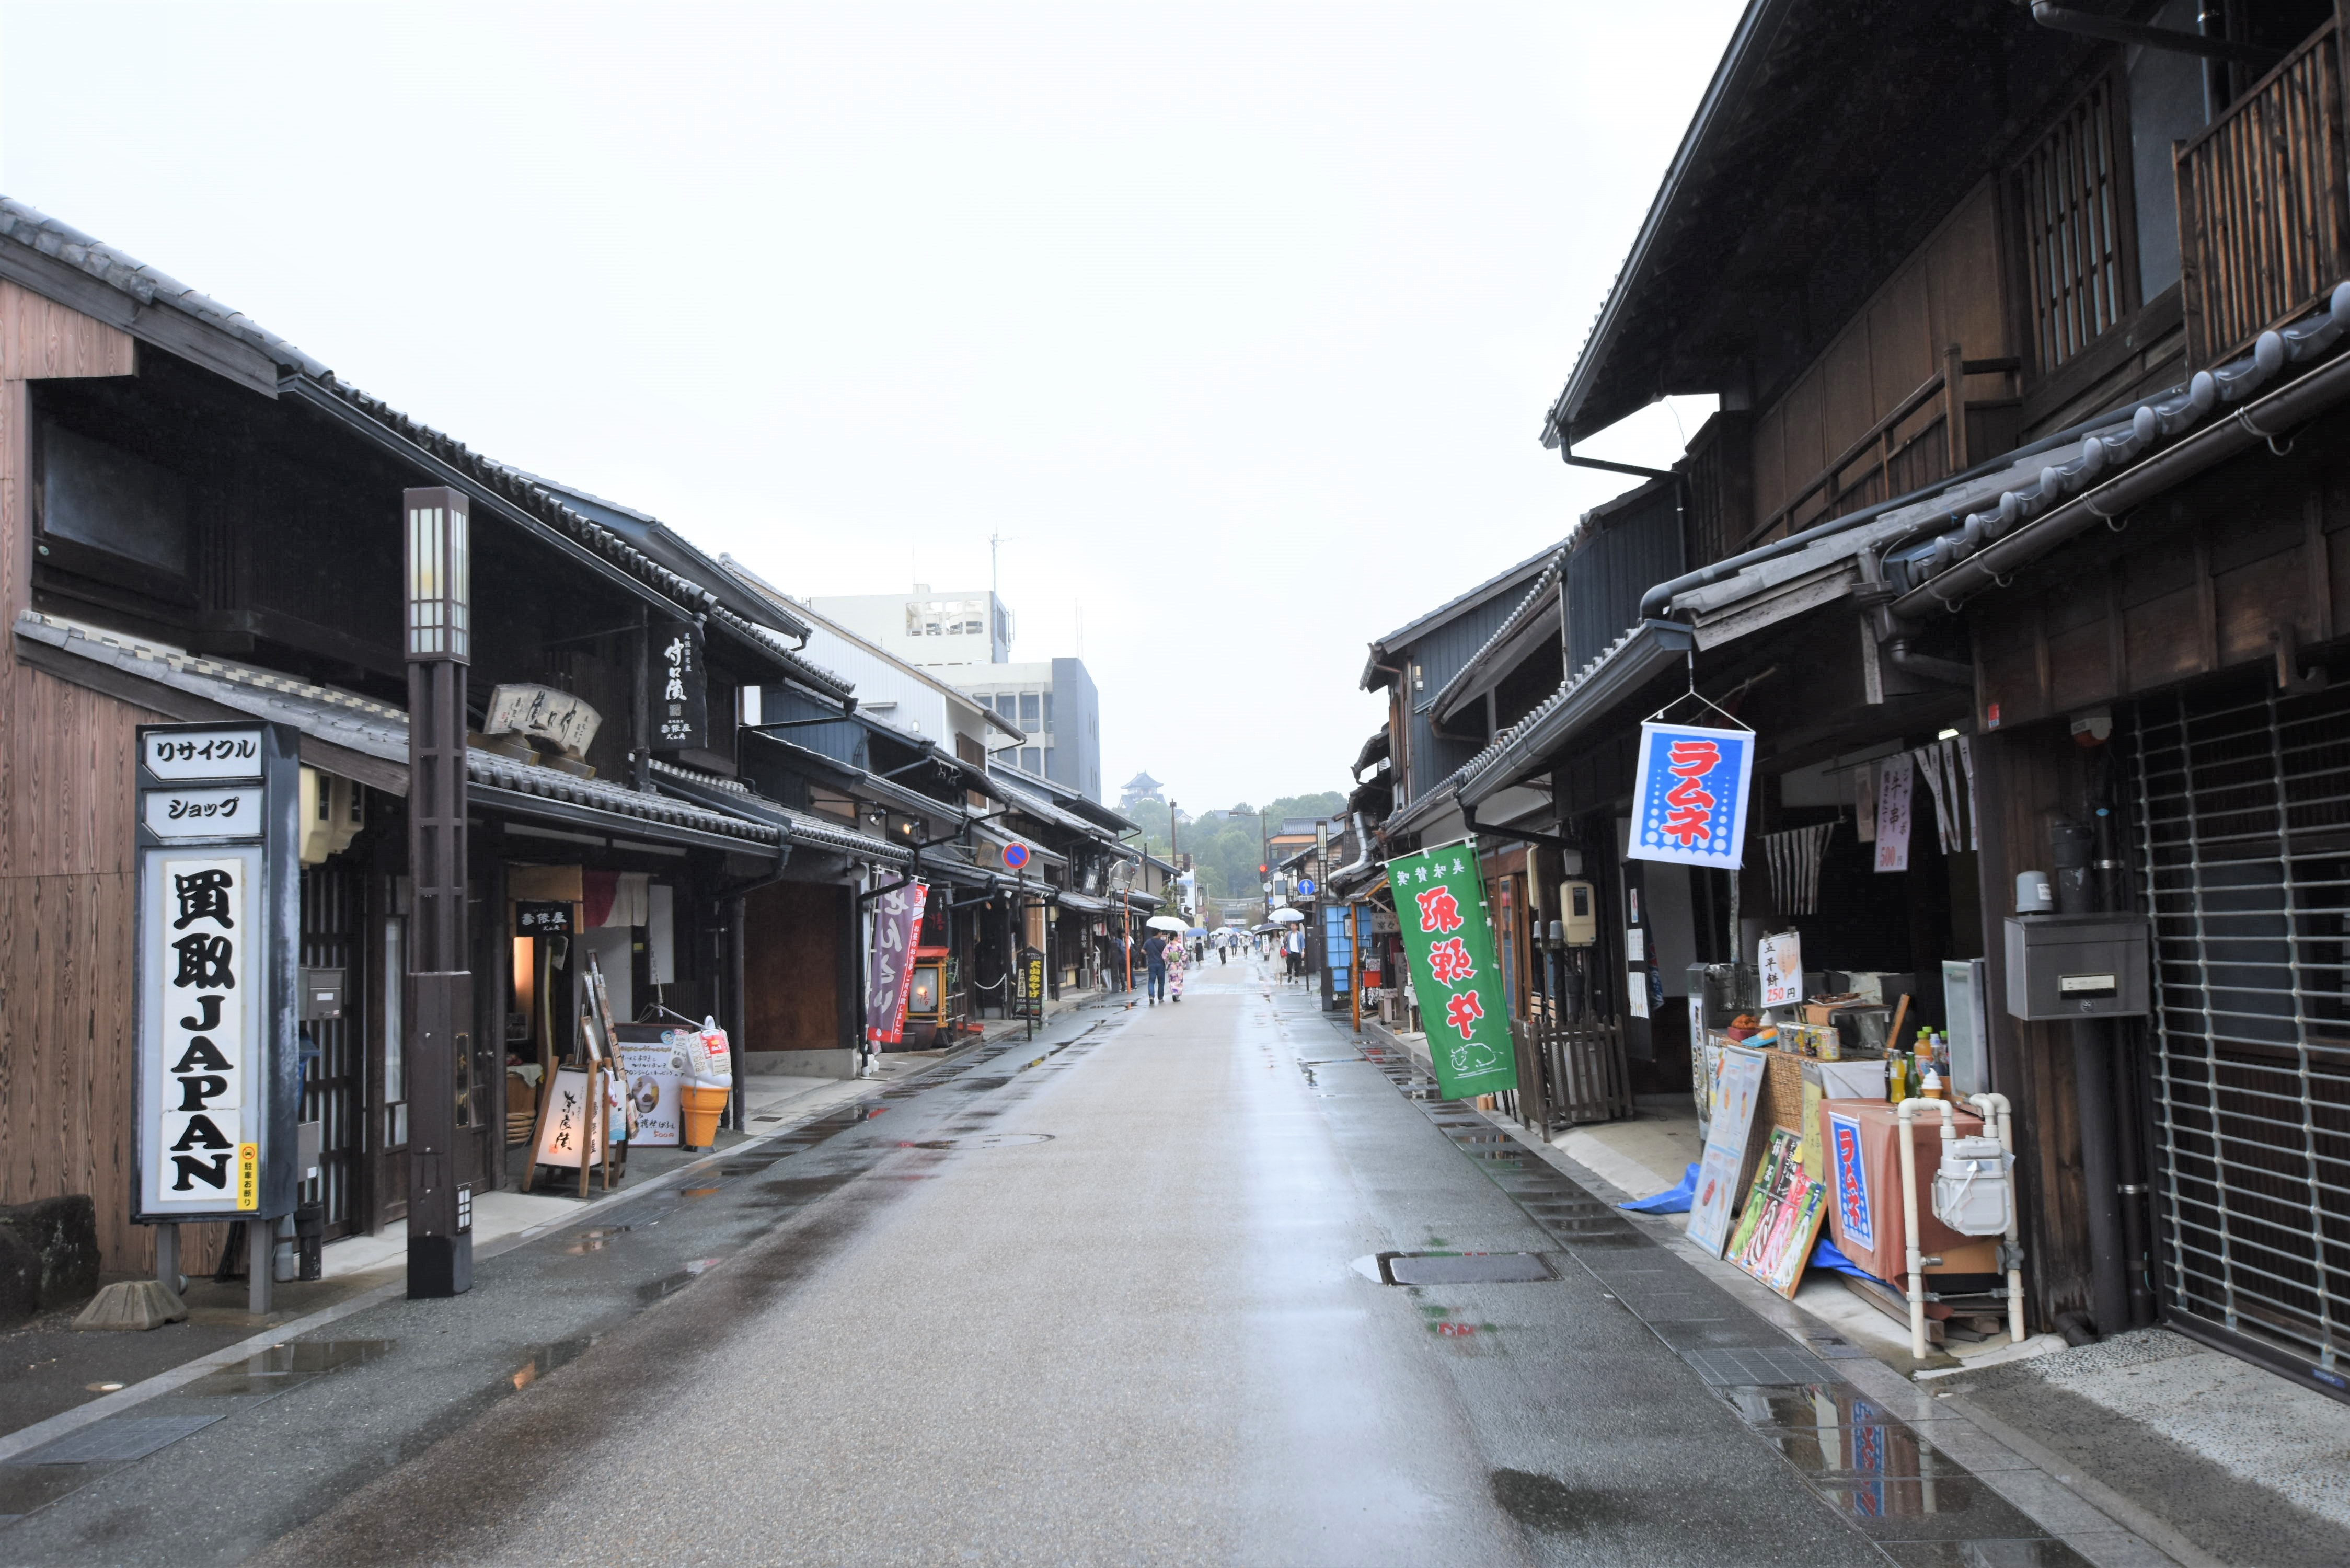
1861 1146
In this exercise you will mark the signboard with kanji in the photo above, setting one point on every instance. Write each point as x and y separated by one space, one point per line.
217 837
681 715
1689 795
1441 899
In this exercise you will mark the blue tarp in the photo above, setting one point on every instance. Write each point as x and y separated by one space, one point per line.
1827 1256
1674 1200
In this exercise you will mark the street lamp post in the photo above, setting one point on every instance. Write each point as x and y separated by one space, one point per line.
440 1010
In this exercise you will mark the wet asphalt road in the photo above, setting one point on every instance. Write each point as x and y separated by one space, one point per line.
1102 1309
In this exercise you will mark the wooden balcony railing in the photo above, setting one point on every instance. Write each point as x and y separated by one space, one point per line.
2263 223
1922 439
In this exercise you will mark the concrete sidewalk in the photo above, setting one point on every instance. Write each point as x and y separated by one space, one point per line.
2207 1456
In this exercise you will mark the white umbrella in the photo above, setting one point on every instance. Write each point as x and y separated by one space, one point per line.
1164 923
1289 917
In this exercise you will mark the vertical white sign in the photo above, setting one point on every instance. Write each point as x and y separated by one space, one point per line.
202 1028
1894 777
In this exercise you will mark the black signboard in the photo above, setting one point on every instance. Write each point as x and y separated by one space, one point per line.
680 708
542 918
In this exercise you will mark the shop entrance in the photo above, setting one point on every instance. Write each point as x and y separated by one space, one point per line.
2243 808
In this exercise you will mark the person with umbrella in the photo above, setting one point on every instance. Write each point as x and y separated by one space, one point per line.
1179 964
1154 953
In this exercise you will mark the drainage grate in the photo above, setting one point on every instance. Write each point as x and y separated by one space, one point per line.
117 1440
1467 1268
1750 1366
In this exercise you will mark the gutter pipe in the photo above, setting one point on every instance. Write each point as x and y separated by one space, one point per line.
1654 602
2089 24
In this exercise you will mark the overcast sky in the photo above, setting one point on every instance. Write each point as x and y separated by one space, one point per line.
1236 323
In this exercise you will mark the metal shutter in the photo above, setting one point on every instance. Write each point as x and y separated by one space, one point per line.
2243 804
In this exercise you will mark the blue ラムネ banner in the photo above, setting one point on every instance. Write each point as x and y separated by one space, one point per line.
1689 795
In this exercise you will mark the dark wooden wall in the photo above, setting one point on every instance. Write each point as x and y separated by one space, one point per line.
66 761
793 944
2211 577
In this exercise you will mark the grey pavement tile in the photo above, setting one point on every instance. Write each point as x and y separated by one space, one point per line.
1739 1366
2119 1549
2058 1507
1728 1333
2040 1552
1678 1306
1919 1507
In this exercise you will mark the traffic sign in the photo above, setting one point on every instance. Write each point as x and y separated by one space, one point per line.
1015 856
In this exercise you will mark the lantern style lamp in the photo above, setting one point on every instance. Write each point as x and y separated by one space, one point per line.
440 1009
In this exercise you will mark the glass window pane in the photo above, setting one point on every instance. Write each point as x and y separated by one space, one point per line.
395 1026
1028 711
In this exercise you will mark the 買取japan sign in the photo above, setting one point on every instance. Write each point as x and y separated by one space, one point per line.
1440 900
1689 795
218 897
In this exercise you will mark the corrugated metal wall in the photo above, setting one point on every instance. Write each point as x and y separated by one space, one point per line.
1616 562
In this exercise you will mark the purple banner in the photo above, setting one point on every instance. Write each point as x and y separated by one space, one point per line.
890 972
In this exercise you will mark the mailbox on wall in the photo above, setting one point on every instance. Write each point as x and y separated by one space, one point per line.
2076 966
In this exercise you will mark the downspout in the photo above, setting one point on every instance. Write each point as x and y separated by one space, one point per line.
734 901
1893 634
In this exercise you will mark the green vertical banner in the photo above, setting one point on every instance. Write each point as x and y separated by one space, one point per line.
1439 898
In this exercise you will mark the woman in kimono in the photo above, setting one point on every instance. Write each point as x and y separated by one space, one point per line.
1178 963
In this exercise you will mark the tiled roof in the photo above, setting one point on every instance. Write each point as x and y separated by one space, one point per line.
361 724
60 242
1509 628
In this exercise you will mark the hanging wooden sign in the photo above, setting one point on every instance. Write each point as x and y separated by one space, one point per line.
680 687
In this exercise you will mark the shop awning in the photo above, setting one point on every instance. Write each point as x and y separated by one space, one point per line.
1080 903
802 829
360 738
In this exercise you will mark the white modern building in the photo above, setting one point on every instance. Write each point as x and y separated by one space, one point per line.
893 689
965 627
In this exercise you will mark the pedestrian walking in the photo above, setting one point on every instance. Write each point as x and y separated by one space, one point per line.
1155 953
1179 964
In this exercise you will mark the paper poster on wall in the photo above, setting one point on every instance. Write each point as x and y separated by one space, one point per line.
1636 990
1894 778
1780 960
1864 801
1689 792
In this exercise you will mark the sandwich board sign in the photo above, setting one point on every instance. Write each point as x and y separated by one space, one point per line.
219 894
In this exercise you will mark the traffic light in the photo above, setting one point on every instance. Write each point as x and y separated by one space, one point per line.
1261 870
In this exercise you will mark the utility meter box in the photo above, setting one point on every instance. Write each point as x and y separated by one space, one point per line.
1579 912
2076 966
322 995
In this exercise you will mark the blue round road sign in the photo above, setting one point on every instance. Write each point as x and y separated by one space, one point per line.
1015 856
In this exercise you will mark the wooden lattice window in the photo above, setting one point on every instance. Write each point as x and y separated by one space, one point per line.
2069 203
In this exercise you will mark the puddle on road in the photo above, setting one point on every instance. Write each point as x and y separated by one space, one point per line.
980 1140
283 1366
669 1285
596 1241
545 1358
